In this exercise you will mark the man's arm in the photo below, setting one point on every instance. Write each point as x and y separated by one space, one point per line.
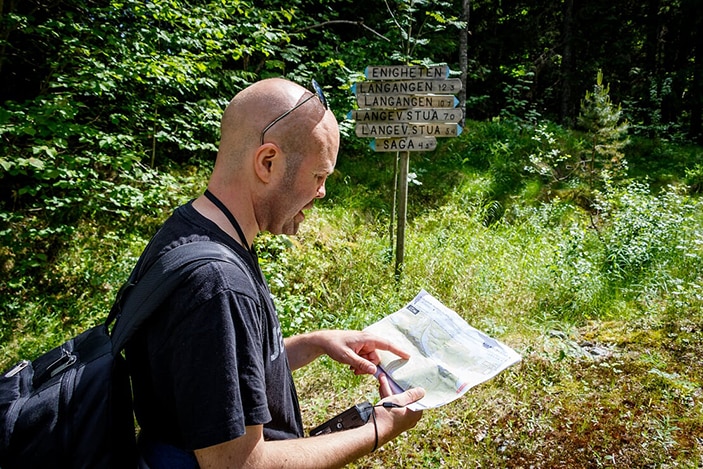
354 348
332 450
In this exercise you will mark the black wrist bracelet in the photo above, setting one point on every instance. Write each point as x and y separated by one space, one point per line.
375 429
387 405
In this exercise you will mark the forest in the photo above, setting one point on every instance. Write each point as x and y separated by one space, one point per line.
565 220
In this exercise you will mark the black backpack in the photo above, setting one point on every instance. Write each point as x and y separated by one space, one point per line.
72 406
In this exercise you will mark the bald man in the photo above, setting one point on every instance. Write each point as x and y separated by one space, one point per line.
211 372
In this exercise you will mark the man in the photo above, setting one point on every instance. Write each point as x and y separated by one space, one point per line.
211 372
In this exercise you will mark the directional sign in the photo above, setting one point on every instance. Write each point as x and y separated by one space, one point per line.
407 130
450 86
404 72
404 101
403 109
406 115
404 144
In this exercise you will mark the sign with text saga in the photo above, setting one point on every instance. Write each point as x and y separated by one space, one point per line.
406 107
404 144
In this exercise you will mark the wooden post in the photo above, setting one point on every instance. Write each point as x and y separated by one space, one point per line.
394 209
402 212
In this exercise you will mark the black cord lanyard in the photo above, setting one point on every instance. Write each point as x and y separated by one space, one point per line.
218 203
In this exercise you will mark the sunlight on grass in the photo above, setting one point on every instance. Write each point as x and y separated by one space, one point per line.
599 382
603 298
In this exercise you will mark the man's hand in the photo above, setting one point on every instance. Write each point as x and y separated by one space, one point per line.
332 450
391 422
357 349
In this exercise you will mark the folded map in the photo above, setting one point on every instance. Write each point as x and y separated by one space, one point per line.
447 355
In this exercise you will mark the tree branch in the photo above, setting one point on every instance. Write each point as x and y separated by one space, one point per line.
358 23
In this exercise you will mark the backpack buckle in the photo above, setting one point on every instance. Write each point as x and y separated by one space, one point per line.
64 361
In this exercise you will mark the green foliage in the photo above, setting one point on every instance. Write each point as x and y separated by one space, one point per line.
128 87
516 90
644 229
577 285
413 24
694 178
645 113
61 282
549 159
591 161
295 309
624 253
607 135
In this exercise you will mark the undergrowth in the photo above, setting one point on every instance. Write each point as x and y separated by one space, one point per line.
601 295
611 370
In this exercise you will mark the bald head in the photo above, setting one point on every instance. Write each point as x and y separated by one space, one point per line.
267 180
257 106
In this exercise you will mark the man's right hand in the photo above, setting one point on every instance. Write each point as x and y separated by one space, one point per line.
392 421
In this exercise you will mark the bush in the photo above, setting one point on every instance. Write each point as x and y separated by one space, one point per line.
640 230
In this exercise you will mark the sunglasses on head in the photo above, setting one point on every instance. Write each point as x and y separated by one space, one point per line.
318 92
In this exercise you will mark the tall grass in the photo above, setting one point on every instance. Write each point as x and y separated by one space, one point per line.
540 260
43 303
603 300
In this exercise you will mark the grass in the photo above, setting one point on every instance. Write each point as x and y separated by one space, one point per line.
609 321
611 373
618 390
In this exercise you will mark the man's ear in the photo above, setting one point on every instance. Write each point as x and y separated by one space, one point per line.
267 160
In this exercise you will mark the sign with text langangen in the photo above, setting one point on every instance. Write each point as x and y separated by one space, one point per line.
404 101
450 86
405 108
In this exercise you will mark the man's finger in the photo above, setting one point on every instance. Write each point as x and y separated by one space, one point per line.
414 394
384 386
384 344
363 366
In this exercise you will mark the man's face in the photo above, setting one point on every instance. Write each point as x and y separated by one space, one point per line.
297 191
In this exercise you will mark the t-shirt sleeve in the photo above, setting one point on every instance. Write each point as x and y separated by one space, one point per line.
211 347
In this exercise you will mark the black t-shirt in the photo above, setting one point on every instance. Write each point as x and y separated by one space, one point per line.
211 359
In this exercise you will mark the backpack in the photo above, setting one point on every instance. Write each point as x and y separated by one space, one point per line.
72 406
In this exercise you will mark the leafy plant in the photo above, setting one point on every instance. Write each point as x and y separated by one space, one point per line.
640 229
127 88
694 178
606 136
596 159
549 160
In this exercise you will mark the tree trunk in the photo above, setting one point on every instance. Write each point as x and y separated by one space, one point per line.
652 64
567 66
464 55
696 126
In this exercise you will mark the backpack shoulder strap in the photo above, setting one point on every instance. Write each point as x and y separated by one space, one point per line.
168 271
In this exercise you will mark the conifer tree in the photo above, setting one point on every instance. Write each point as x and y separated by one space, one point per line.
602 157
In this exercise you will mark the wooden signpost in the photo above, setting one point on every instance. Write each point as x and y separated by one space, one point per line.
404 109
